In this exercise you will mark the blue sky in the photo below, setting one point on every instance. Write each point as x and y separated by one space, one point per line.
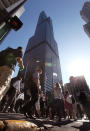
73 43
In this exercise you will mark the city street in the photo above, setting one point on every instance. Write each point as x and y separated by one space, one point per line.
18 122
44 65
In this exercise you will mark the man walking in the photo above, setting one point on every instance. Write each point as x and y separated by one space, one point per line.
34 88
58 96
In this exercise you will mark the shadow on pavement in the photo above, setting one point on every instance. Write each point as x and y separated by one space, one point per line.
84 127
43 123
39 122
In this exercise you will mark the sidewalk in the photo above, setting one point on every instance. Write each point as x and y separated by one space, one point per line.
18 122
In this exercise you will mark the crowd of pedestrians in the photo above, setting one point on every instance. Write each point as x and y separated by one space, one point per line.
25 95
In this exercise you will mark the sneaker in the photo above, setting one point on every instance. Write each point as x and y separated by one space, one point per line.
31 117
25 114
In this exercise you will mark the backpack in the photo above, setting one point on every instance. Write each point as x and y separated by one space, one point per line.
69 99
8 56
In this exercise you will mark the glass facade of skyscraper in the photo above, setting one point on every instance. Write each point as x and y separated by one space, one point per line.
42 51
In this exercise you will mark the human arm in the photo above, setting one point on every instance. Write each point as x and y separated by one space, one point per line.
36 80
37 83
20 62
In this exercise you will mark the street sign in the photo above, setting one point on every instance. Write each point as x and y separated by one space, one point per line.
4 30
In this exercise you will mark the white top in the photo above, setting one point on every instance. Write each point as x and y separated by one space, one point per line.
69 99
36 75
20 96
58 93
16 85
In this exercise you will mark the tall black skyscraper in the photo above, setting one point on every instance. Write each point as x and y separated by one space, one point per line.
42 51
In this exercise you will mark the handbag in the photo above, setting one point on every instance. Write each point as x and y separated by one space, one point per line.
69 99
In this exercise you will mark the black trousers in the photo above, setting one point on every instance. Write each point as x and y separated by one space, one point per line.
34 97
18 105
11 94
57 108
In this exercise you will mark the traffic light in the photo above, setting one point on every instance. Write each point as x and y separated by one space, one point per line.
12 23
15 23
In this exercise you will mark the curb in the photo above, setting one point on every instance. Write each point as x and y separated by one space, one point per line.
18 125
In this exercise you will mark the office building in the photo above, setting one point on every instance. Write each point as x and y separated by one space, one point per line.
42 51
87 29
77 84
85 14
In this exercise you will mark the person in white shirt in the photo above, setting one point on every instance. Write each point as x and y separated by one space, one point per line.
58 91
34 88
57 106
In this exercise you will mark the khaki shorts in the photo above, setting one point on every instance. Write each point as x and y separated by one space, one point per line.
5 79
